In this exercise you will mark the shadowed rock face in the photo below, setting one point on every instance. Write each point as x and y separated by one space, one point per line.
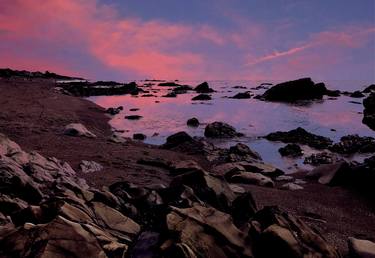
220 130
302 89
203 88
369 111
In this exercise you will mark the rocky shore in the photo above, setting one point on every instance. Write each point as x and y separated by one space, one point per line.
71 187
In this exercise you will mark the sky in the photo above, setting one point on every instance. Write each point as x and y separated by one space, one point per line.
191 40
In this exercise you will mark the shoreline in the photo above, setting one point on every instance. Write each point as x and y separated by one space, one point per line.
34 115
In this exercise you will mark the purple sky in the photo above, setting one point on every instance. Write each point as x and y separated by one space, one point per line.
195 39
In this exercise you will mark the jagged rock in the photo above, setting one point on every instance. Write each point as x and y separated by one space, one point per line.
204 232
170 95
77 129
302 89
291 150
251 178
300 135
331 174
359 248
202 97
203 88
291 187
220 130
193 122
351 144
321 158
242 95
85 89
278 234
90 166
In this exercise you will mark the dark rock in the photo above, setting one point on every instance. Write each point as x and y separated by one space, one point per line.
333 93
239 87
351 144
169 84
242 95
369 111
7 73
133 117
301 136
77 129
220 130
134 109
369 89
170 95
291 150
177 139
139 136
114 111
96 89
182 89
193 122
320 158
242 150
203 88
202 97
357 94
302 89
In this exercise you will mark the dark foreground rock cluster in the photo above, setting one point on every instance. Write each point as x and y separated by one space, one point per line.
369 111
48 211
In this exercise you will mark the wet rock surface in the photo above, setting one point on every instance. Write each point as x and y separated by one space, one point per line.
202 97
291 150
301 136
193 122
220 130
242 95
203 88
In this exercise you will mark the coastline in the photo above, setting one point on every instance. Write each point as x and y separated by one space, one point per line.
33 115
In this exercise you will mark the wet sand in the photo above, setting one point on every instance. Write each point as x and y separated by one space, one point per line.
34 115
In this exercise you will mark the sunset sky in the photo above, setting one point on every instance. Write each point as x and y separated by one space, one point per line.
195 39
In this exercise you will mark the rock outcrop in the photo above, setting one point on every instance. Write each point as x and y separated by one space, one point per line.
220 130
369 111
291 91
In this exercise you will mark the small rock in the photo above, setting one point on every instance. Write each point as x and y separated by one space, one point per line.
202 97
284 178
90 166
291 150
203 88
242 95
357 94
133 117
291 186
77 129
251 178
193 122
139 136
220 130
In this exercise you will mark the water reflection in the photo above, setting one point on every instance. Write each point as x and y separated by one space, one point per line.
165 116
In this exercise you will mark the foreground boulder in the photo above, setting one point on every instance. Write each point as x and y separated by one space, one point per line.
300 135
220 130
77 129
301 89
369 111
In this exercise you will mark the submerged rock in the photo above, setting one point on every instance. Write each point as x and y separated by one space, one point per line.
301 89
220 130
291 150
203 88
300 135
193 122
242 95
77 129
170 95
169 84
202 97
